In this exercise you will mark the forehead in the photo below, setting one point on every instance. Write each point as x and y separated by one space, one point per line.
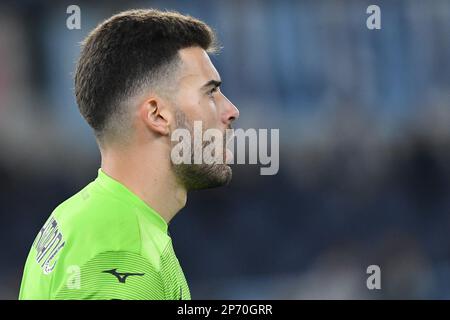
197 67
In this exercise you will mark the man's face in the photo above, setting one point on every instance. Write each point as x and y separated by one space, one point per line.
199 98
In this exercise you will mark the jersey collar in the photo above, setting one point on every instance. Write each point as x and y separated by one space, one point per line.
126 194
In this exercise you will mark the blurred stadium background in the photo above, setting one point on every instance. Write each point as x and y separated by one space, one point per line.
364 119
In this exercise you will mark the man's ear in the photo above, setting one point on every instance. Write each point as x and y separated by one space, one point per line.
156 115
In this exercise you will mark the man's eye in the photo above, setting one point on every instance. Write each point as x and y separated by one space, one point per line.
210 92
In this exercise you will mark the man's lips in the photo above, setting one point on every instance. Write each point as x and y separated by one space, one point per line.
229 136
228 156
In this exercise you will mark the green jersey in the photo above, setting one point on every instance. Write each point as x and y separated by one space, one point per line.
103 243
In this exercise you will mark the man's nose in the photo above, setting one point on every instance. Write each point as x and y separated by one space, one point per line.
230 112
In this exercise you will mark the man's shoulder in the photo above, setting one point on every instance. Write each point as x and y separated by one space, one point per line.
98 219
95 220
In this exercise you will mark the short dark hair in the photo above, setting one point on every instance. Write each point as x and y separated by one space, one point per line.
129 50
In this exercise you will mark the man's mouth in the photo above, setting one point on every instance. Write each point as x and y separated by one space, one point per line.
229 136
228 156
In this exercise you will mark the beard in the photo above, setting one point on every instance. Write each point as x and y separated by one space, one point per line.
200 176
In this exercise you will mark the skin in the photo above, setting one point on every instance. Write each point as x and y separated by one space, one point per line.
142 163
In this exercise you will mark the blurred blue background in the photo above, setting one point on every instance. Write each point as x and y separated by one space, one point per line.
364 119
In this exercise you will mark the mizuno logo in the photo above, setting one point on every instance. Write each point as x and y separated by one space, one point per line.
122 276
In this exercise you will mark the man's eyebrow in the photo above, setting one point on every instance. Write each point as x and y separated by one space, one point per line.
213 83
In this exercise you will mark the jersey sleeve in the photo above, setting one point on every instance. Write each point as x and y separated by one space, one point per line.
113 275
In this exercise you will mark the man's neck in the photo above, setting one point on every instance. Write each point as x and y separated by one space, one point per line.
152 180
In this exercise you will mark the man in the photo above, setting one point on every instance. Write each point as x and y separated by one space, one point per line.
142 74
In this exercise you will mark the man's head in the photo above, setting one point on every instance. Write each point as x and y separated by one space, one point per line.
144 73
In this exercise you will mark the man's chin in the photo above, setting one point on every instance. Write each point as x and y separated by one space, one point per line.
197 177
